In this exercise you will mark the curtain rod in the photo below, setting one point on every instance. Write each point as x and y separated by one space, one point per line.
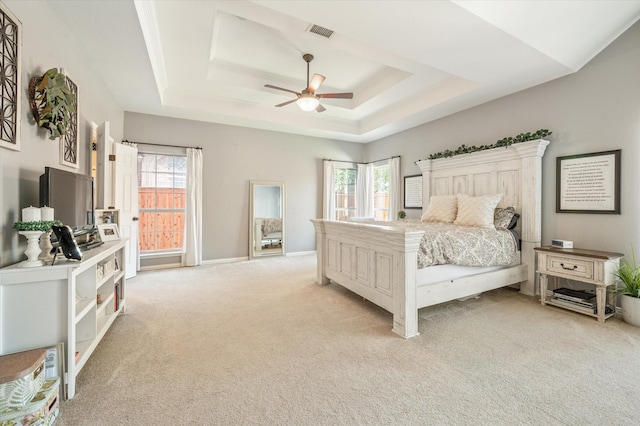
160 144
358 162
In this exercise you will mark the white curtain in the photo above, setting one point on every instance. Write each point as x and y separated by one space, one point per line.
394 188
329 199
364 191
192 251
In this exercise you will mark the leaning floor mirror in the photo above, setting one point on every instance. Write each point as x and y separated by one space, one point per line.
266 218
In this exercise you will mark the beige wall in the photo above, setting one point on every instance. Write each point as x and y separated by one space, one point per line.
596 109
46 43
235 155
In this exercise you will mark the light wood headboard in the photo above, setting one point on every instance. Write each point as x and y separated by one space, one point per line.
515 171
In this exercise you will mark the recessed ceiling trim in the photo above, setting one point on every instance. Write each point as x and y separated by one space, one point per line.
187 60
149 24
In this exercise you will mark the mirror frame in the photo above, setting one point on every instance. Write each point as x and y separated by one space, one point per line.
252 185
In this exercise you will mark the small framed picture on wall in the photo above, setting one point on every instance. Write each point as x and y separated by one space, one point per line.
413 192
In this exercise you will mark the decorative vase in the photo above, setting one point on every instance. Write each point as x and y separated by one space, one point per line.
33 249
630 309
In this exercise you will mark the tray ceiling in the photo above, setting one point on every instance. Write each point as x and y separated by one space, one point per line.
407 62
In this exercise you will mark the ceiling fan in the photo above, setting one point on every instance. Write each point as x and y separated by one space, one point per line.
308 99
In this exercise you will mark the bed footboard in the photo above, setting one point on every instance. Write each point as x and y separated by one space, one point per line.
376 262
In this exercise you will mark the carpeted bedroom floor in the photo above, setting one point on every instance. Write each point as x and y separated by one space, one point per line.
258 342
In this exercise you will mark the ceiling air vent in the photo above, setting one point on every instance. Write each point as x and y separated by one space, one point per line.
317 29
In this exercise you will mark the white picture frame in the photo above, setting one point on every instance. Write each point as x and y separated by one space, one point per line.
54 366
108 232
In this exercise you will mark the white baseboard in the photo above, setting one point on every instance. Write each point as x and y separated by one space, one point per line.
219 261
301 253
245 258
156 267
228 260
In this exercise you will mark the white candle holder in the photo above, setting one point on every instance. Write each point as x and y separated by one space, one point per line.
33 249
46 246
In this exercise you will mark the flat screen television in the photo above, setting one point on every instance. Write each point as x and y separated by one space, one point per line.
71 196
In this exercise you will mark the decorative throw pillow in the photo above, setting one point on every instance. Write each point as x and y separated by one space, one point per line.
441 208
502 217
514 221
477 211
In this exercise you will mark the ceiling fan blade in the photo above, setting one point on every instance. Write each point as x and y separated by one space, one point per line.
286 103
316 81
280 88
335 95
320 108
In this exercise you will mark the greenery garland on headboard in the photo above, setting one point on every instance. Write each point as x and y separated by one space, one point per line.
462 149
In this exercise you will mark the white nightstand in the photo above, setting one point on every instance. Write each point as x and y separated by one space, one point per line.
588 266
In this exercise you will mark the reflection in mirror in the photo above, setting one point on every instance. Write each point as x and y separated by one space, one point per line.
266 218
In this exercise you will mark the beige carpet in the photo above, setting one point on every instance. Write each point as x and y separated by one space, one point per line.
258 342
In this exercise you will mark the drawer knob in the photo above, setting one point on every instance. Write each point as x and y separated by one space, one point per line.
573 268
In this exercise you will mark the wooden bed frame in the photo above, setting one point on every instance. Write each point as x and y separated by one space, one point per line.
379 262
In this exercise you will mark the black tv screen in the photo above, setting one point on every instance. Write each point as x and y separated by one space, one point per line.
70 195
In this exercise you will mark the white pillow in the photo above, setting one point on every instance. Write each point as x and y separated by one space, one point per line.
441 208
477 211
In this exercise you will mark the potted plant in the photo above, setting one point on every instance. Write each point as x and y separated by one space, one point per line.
52 103
628 288
401 214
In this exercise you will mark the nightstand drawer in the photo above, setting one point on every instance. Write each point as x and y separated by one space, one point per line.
569 266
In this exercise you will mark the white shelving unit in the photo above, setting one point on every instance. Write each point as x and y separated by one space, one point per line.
46 305
107 216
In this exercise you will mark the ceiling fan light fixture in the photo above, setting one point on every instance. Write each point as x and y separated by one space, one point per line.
309 99
307 102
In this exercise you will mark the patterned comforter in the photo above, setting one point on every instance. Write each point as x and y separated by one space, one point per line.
445 243
269 225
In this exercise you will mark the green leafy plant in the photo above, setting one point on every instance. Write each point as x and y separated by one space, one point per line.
401 214
52 103
629 275
504 142
40 225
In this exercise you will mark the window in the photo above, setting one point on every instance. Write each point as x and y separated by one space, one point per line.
162 183
381 192
368 190
345 193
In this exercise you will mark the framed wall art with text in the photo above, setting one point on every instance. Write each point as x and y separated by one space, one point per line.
588 183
